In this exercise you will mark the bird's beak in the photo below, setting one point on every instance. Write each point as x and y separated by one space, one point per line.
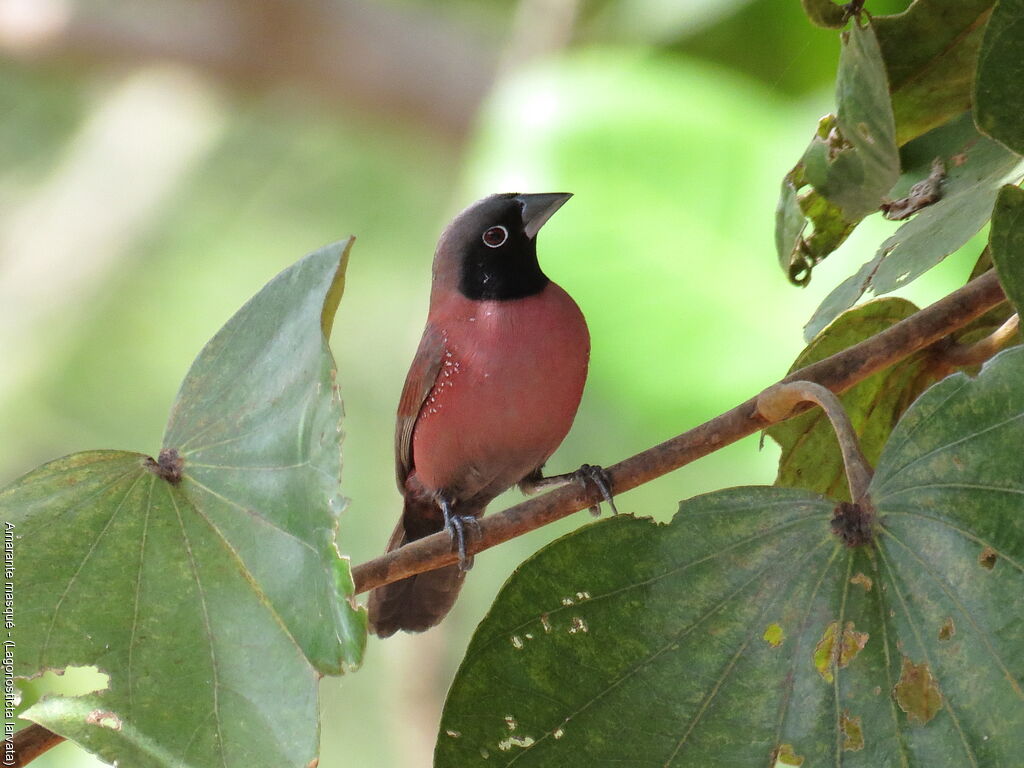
537 209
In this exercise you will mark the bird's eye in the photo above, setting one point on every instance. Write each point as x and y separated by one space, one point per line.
495 236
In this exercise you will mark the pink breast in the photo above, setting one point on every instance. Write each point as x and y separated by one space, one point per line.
506 395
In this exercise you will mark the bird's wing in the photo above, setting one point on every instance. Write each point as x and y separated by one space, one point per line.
418 383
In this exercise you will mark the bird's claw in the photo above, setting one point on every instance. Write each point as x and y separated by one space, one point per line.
455 524
592 473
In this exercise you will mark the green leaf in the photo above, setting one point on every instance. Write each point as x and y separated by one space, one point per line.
810 454
854 160
948 489
851 163
931 53
638 643
206 585
1006 243
825 13
258 424
999 88
976 167
829 227
643 644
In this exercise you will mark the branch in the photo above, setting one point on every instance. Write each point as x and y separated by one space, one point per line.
779 401
837 373
29 743
407 62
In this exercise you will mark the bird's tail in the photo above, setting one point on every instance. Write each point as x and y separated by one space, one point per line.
418 602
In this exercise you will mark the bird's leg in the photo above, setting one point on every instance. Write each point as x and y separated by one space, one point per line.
585 475
455 525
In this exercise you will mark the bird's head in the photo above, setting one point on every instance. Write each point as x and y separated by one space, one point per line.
489 251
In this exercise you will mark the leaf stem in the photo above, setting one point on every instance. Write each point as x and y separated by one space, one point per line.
961 355
836 373
778 401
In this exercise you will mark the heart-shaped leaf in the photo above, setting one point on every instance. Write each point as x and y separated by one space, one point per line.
746 633
206 584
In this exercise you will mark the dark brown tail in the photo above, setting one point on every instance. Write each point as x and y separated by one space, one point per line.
419 602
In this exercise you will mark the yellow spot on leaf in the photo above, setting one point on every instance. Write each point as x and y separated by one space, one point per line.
773 635
917 693
853 734
832 651
785 757
861 580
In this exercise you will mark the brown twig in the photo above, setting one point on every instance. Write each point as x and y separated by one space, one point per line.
836 373
780 400
29 743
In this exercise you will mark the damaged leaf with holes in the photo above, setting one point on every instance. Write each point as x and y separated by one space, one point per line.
171 580
682 618
800 248
975 169
849 166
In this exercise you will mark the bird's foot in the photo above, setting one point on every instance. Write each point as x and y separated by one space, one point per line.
455 524
598 476
585 475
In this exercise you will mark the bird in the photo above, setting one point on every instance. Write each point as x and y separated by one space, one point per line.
492 391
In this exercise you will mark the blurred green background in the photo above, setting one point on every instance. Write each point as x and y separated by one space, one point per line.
161 160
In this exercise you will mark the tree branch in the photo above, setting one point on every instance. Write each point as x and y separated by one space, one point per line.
837 373
29 743
409 62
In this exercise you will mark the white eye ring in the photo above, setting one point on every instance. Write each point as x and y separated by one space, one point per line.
495 237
